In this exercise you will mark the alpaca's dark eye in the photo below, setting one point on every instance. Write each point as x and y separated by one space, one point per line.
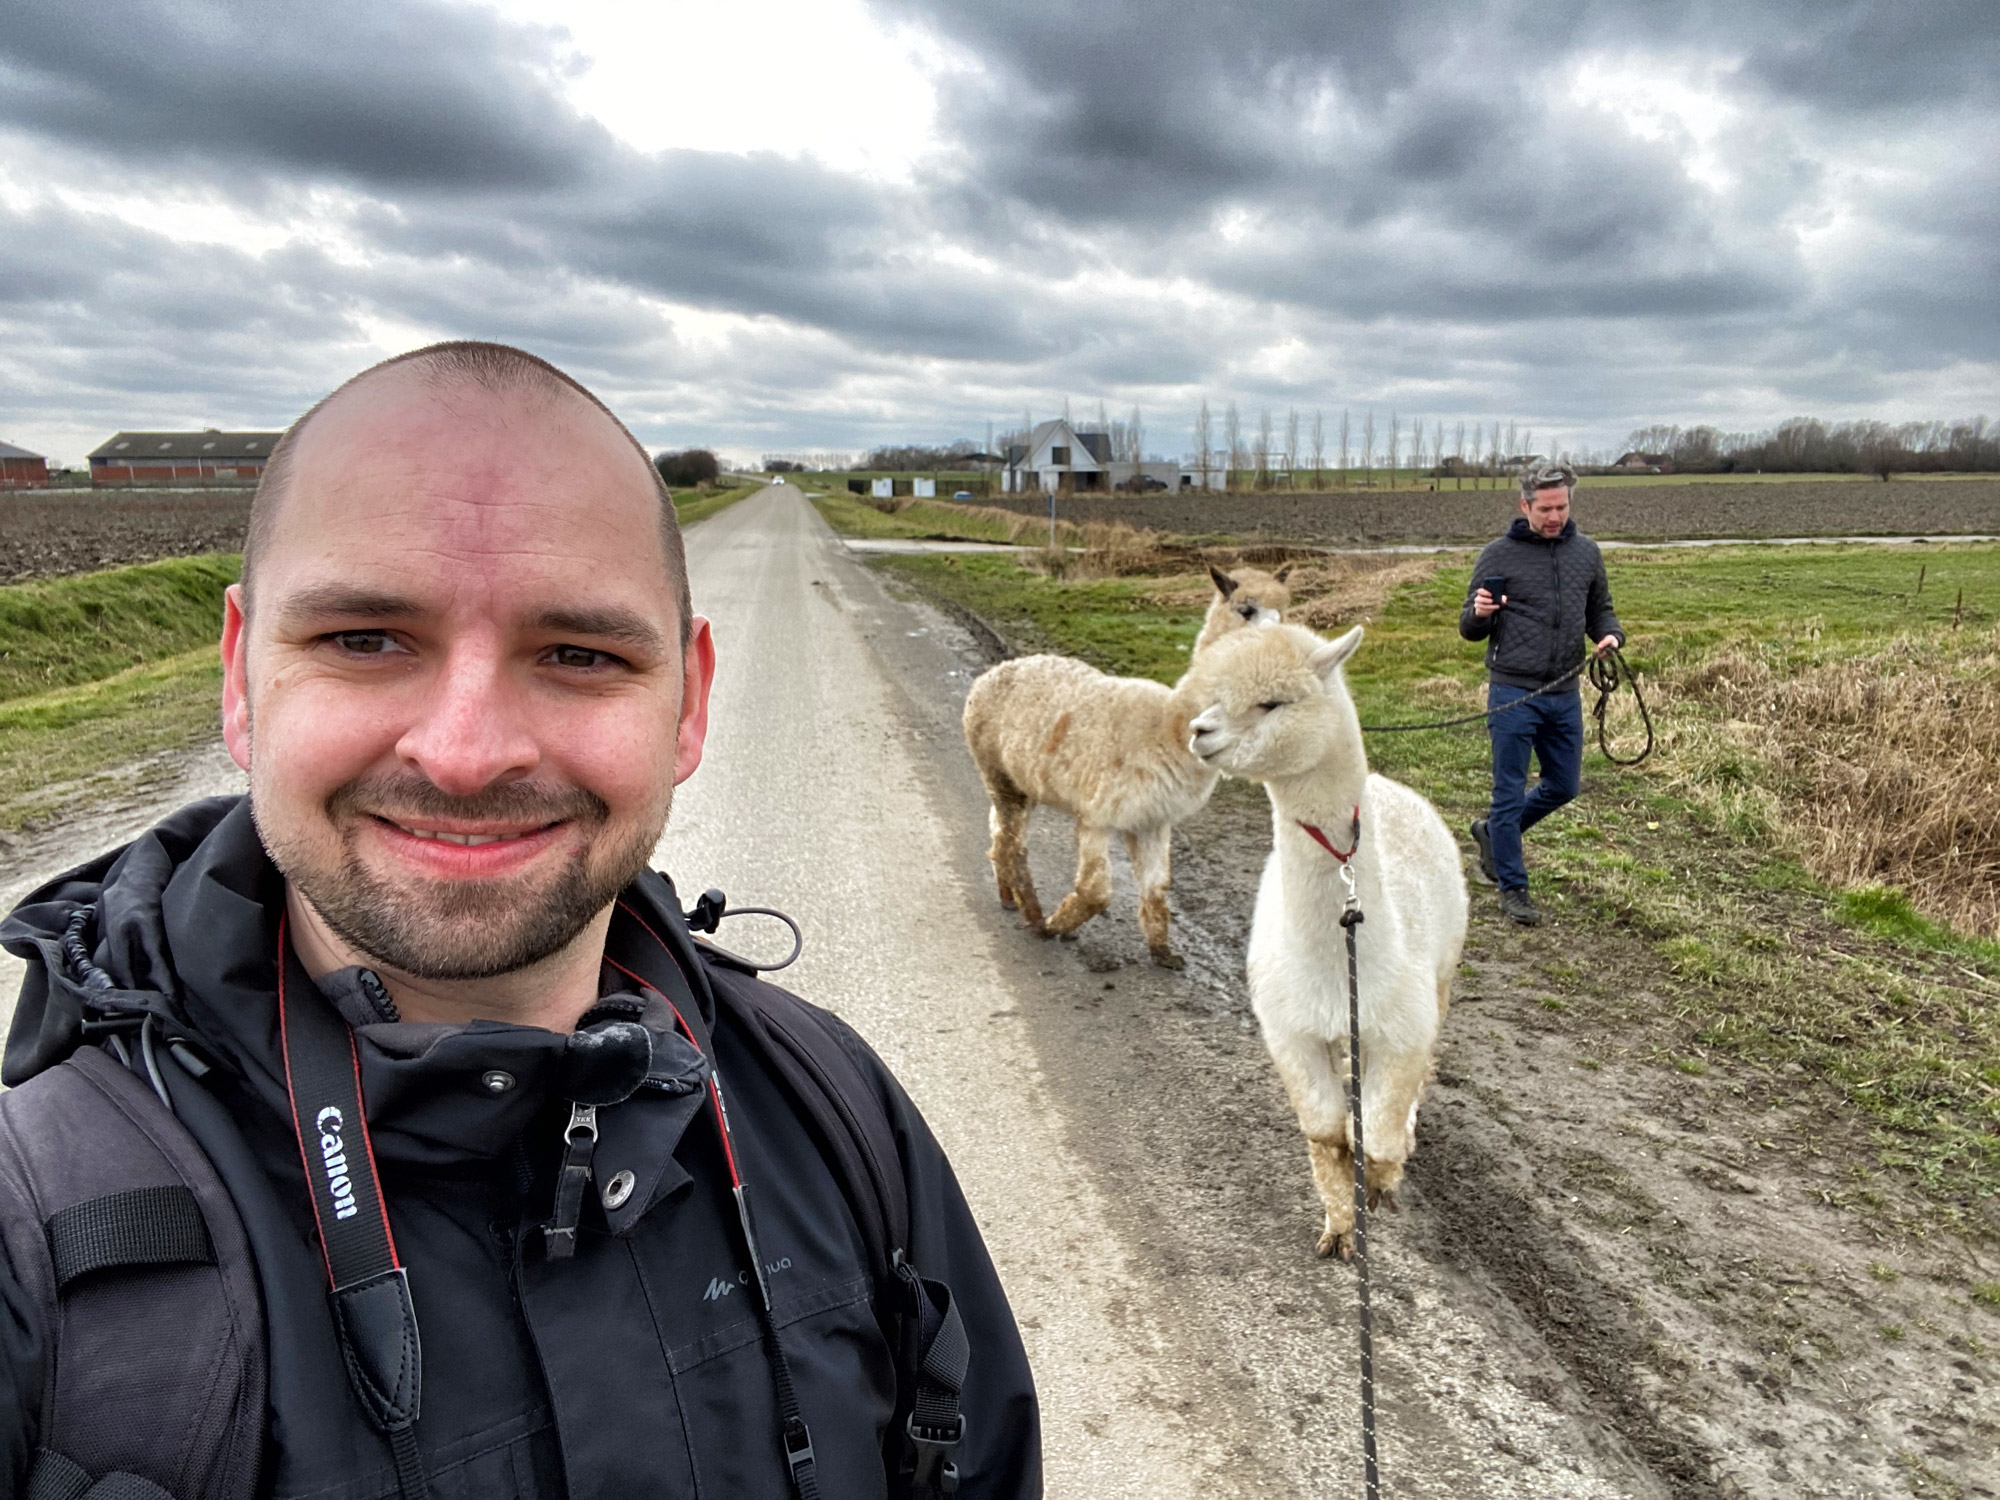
1248 611
1272 706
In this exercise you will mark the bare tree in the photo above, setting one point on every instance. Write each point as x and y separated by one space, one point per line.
1319 449
1368 448
1343 447
1458 455
1513 443
1395 445
1497 454
1137 433
1292 447
1232 428
1264 449
1202 438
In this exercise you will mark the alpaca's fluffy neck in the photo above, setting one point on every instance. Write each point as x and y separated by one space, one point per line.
1327 794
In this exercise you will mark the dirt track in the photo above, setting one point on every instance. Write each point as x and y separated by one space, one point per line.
1638 513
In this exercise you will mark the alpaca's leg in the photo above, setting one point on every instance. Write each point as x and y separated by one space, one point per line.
1319 1097
1150 851
1093 880
1009 855
1391 1089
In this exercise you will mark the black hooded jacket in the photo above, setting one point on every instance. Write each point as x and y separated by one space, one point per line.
1556 594
635 1368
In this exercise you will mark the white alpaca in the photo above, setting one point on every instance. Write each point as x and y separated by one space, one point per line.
1110 751
1277 711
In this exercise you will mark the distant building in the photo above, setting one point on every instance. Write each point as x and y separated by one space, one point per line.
1064 460
1058 459
1646 463
193 458
22 470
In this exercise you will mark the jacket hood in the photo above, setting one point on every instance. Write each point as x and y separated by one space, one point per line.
179 933
1521 531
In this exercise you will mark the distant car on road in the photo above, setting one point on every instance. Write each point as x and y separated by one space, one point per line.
961 494
777 479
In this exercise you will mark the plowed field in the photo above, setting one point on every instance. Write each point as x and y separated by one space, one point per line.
48 533
1636 513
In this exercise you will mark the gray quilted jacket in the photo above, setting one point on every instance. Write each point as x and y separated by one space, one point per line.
1557 601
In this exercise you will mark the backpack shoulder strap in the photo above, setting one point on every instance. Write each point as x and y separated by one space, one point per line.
803 1047
154 1360
807 1049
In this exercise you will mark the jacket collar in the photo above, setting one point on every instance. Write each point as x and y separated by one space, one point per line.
184 925
1521 531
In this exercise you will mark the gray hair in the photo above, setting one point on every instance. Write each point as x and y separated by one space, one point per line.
1547 476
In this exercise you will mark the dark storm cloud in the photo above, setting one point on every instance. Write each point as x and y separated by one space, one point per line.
368 91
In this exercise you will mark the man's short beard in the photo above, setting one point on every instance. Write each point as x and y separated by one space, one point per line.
470 929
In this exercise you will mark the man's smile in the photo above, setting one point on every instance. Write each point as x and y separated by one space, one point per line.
466 849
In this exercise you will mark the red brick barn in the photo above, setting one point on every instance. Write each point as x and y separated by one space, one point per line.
22 470
189 458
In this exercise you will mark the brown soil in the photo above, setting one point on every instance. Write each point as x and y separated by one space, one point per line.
1638 513
48 533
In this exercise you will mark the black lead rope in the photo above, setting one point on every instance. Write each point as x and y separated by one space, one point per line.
1606 672
369 1290
1350 918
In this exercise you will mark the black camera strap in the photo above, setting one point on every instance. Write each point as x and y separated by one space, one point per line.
368 1289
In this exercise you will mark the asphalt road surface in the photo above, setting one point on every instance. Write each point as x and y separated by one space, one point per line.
1106 1129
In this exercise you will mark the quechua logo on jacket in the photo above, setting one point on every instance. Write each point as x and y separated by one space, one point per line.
333 1153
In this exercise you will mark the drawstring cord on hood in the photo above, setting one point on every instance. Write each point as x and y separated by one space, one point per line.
94 981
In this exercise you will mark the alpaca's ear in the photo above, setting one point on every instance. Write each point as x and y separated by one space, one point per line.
1283 573
1224 584
1326 661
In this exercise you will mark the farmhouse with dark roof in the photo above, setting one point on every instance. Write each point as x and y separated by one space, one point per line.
196 458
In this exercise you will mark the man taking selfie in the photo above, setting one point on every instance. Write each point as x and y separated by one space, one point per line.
367 1135
1539 599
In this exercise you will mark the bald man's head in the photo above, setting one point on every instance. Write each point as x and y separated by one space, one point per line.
436 372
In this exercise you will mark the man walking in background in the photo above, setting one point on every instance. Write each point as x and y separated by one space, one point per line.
1538 598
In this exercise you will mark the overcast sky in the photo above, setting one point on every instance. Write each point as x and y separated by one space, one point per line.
782 225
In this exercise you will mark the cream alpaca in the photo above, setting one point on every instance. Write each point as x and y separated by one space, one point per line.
1275 709
1246 597
1109 751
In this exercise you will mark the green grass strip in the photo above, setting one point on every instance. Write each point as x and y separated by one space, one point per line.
63 632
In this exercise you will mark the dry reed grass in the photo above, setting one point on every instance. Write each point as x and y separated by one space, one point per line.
1328 588
1881 766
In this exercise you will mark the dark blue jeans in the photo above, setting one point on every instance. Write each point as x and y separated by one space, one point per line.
1551 727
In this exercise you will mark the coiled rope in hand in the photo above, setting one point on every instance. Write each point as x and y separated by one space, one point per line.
1607 673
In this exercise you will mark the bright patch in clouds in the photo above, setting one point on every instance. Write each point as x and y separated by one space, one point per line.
825 79
1688 112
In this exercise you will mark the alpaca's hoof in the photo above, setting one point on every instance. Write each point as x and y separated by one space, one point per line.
1334 1243
1067 937
1166 958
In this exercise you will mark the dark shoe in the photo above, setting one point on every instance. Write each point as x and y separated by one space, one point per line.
1519 906
1485 842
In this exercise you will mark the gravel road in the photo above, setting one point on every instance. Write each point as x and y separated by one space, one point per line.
1119 1135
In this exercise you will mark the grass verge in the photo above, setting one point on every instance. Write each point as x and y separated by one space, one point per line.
57 747
63 632
1745 954
691 506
